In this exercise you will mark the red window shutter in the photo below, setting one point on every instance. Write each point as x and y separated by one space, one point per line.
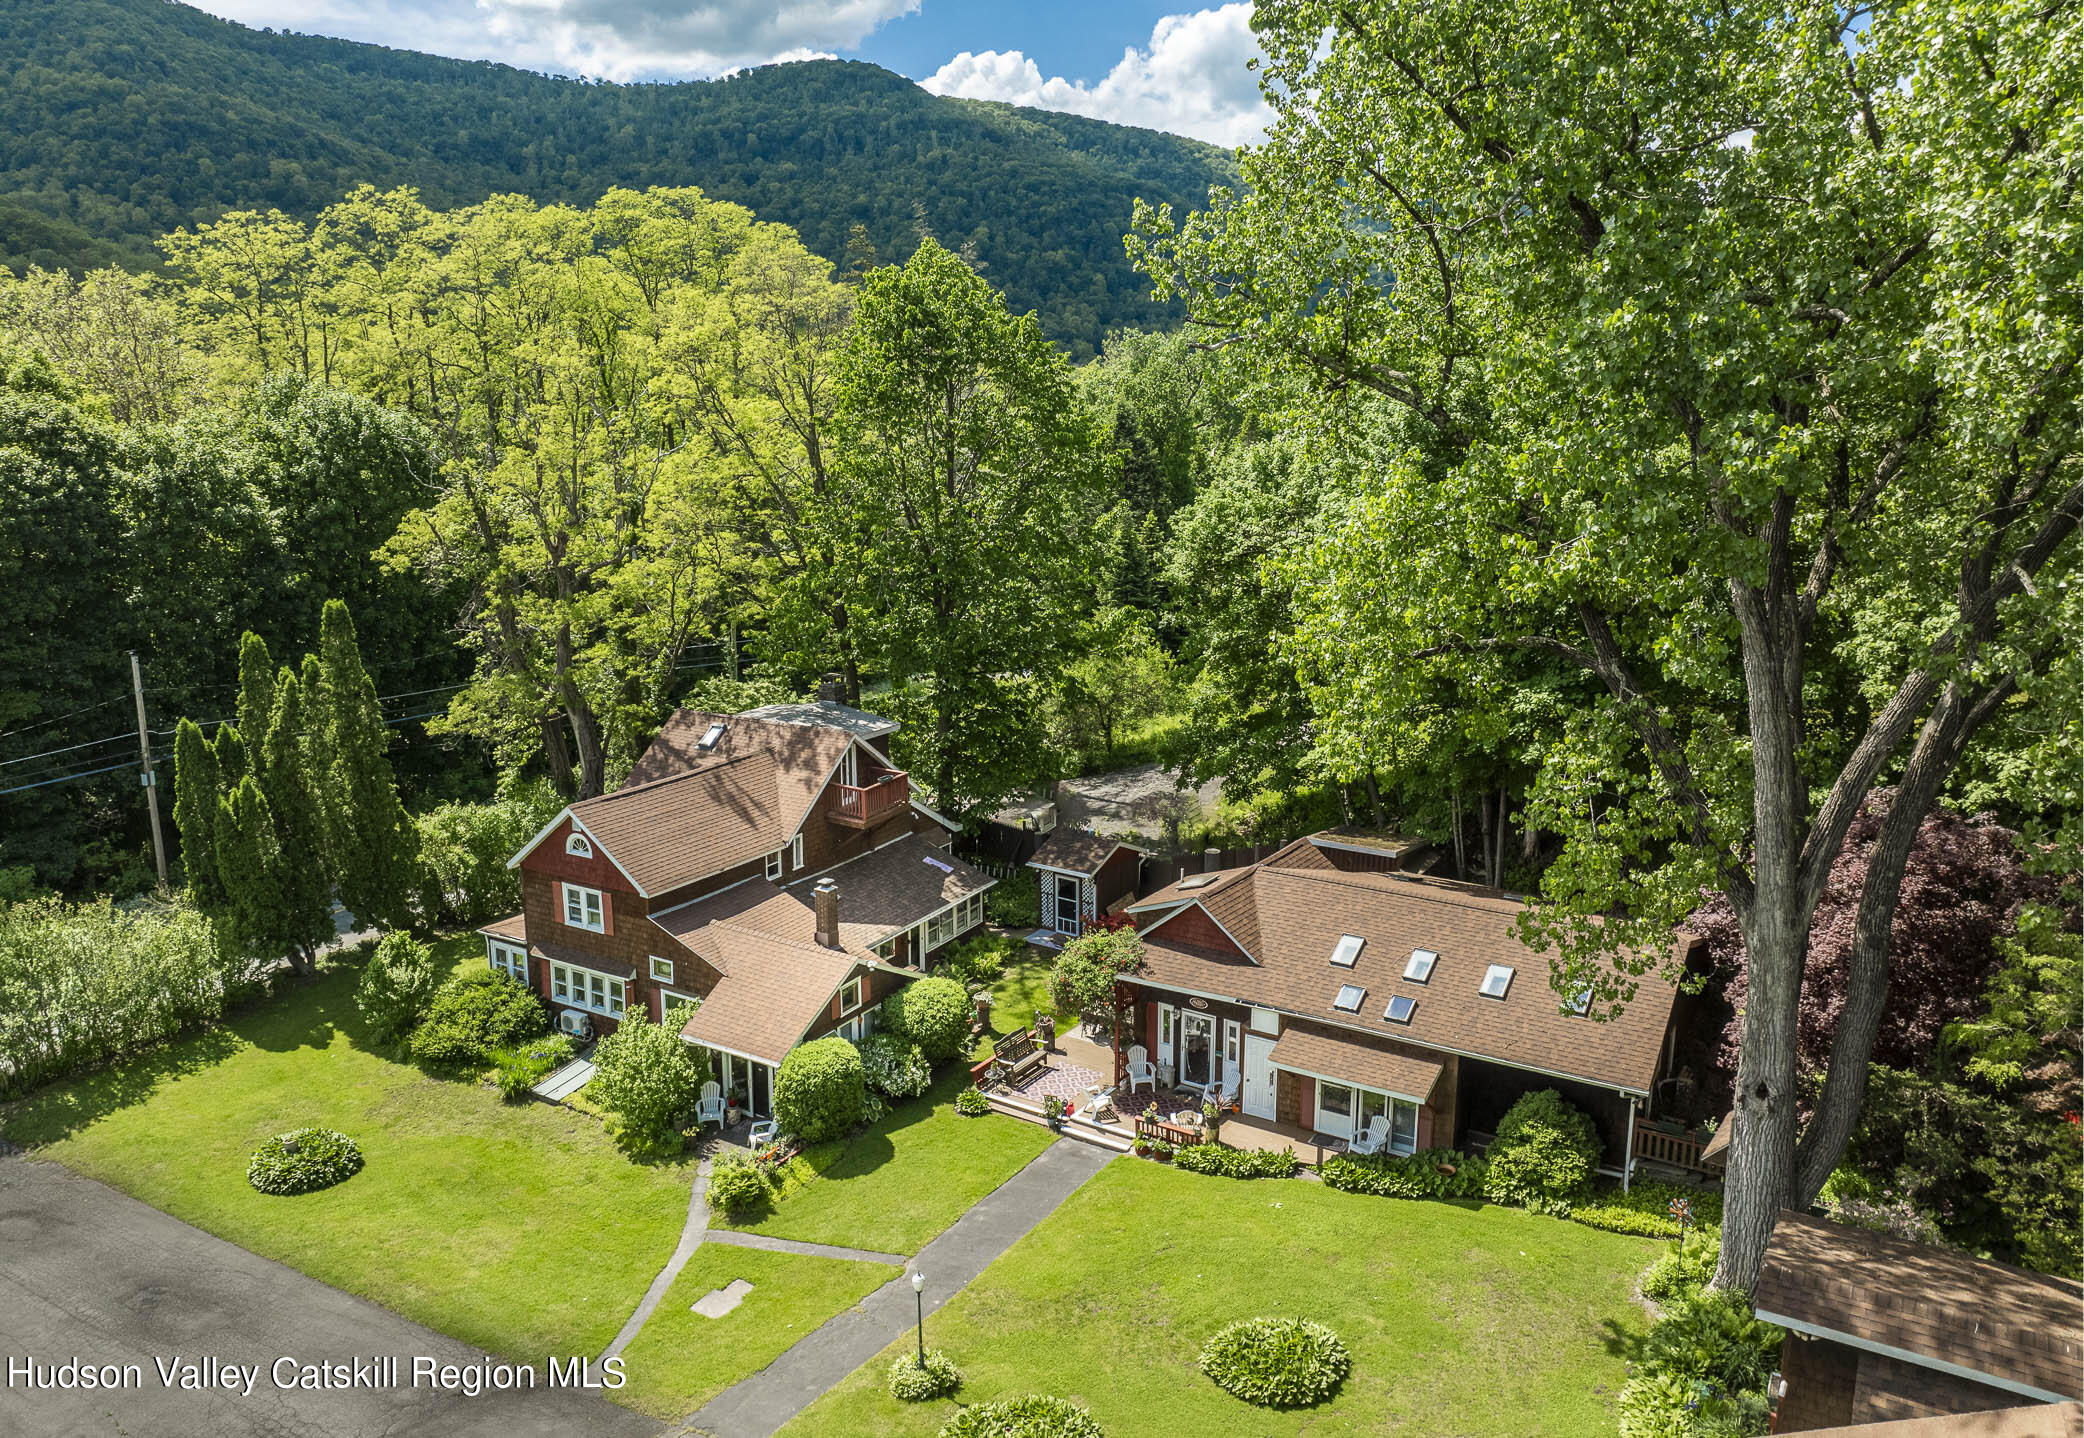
836 1010
607 911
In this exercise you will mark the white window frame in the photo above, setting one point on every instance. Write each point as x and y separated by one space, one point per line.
578 845
858 988
588 989
1362 1104
657 964
796 852
506 958
940 928
886 950
855 1029
1494 972
774 865
1265 1021
592 908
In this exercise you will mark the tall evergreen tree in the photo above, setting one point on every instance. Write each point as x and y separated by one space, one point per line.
195 816
304 886
251 863
256 691
374 847
230 750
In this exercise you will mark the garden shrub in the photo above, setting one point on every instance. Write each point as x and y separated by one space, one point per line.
735 1183
934 1013
1713 1337
1213 1158
649 1080
396 986
819 1090
303 1161
971 1103
1015 903
909 1383
978 962
524 1065
1082 981
1033 1415
1664 1405
894 1067
1684 1270
1646 1210
473 1014
1413 1175
1544 1154
1276 1362
466 848
873 1106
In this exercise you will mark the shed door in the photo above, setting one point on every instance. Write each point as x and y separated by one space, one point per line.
1258 1096
1066 887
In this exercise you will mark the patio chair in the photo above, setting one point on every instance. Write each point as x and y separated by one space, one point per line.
763 1133
711 1108
1371 1141
1141 1074
1226 1099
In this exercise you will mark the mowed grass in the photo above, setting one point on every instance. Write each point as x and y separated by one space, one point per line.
681 1359
1460 1320
518 1228
903 1180
1021 992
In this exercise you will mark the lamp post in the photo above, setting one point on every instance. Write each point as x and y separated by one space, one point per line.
919 1297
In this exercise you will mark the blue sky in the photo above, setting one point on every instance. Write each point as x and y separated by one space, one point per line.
1173 66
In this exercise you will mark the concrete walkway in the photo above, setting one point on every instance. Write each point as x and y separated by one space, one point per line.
691 1235
770 1398
731 1237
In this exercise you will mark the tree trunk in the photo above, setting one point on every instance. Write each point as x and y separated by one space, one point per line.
1762 1146
1498 850
1530 841
1374 793
557 756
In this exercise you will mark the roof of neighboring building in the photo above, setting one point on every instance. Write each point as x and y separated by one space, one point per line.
1289 921
894 887
1078 850
858 722
1355 1058
2038 1420
2002 1325
1352 836
513 928
773 989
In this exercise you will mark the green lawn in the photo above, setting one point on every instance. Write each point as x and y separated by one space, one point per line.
1460 1320
517 1228
1021 992
902 1181
681 1360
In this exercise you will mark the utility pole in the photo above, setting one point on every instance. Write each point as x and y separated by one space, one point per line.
149 779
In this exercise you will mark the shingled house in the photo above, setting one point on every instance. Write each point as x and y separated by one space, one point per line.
1882 1329
771 867
1323 987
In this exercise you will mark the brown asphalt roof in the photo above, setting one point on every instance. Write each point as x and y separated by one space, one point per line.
1079 850
1185 890
804 755
894 887
1331 1053
580 958
772 990
1290 920
513 928
2040 1420
2020 1330
675 830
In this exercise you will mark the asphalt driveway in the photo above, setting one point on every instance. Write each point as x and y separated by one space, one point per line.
87 1273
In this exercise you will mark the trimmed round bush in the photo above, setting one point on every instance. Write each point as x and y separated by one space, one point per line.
820 1090
1033 1415
735 1184
895 1067
1277 1362
932 1012
909 1383
971 1103
1543 1155
473 1014
303 1161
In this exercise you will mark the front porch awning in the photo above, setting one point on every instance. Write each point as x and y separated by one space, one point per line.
1326 1053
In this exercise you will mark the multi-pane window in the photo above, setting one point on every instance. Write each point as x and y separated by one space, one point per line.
585 989
774 864
969 913
583 909
662 969
1346 1113
940 928
510 960
579 845
850 995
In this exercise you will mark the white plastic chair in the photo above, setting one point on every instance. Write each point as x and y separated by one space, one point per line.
711 1108
1371 1141
763 1133
1141 1074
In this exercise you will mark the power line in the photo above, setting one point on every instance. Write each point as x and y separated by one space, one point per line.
66 750
47 723
68 778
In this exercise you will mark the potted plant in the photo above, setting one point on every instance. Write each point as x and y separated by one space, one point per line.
1053 1113
1162 1151
731 1111
1142 1147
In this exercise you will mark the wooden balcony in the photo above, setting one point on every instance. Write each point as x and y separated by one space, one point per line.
861 805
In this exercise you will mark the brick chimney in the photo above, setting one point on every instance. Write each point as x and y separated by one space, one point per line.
824 903
830 689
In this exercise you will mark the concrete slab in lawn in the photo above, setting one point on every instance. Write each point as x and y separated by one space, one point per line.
719 1301
87 1273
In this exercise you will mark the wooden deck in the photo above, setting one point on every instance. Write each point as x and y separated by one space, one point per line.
1242 1131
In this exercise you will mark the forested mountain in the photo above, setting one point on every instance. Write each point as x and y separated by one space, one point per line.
123 119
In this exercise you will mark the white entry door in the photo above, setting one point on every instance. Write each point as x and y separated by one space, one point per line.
1065 889
1258 1097
1197 1059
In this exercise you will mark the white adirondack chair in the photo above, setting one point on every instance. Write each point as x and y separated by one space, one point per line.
763 1133
1371 1141
1141 1074
1227 1099
711 1108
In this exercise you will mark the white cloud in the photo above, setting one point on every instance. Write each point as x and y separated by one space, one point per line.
1191 80
610 39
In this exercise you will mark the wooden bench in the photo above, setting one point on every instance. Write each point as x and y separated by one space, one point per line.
1016 1057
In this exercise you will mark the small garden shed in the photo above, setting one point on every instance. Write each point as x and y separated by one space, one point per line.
1084 875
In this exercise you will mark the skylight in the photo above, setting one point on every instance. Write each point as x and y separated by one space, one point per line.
1197 881
1349 999
1421 966
1347 952
711 737
1400 1009
1496 980
1582 1004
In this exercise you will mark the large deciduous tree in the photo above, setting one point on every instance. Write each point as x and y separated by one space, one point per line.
969 472
1732 352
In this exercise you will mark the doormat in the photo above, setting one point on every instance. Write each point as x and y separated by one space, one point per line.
719 1301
